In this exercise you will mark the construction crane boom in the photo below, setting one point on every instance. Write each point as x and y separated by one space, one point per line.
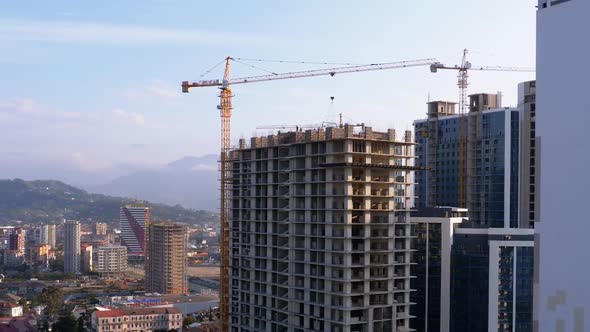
307 73
225 108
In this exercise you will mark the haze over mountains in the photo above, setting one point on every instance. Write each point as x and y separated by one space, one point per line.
190 181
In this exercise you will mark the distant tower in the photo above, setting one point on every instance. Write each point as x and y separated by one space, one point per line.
100 228
17 240
72 246
134 222
166 265
51 229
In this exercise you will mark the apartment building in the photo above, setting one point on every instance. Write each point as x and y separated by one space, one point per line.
320 231
111 261
137 320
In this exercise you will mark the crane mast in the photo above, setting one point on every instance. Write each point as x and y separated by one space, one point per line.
225 109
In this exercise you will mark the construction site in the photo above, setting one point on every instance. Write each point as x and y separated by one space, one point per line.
315 230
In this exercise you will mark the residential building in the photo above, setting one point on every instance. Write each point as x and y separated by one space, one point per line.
41 234
51 233
134 222
112 261
137 320
433 230
166 263
38 255
320 231
100 228
86 258
16 240
488 185
11 309
492 284
72 246
5 232
561 123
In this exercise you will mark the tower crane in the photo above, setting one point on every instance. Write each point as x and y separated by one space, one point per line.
225 108
462 83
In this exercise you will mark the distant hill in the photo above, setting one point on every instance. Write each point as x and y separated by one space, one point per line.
50 201
190 181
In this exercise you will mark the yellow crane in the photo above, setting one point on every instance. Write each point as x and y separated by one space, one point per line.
462 83
225 108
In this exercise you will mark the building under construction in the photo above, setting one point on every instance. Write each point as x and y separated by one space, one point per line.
320 233
166 269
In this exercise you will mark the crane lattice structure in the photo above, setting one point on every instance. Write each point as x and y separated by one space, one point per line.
225 108
462 83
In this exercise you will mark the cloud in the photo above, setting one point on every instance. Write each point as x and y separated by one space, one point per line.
129 117
155 88
25 112
105 33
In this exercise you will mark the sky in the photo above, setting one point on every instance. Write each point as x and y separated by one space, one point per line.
95 86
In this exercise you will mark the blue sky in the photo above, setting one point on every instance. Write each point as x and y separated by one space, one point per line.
94 86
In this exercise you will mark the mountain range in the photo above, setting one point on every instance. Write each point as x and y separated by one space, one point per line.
191 182
45 201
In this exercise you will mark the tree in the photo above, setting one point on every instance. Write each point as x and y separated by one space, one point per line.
82 323
52 298
66 322
188 320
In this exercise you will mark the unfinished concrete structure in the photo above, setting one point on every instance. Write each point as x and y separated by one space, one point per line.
166 263
320 233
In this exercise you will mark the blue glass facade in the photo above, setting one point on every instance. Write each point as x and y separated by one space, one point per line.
490 173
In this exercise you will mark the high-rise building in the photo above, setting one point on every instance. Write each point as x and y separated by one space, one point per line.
562 122
490 186
100 228
529 158
112 261
433 230
490 178
42 234
86 261
134 221
166 263
492 280
16 240
320 232
5 232
72 246
51 232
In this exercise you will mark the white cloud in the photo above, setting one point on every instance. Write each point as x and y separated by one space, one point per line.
105 33
129 117
24 112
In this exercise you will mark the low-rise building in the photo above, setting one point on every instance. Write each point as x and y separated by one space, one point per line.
11 309
136 320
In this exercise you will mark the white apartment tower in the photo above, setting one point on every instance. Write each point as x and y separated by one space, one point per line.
72 246
320 232
112 261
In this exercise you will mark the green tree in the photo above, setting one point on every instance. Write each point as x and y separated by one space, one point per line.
188 320
66 322
52 298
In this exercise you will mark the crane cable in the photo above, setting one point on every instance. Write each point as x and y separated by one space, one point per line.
212 68
255 67
301 62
